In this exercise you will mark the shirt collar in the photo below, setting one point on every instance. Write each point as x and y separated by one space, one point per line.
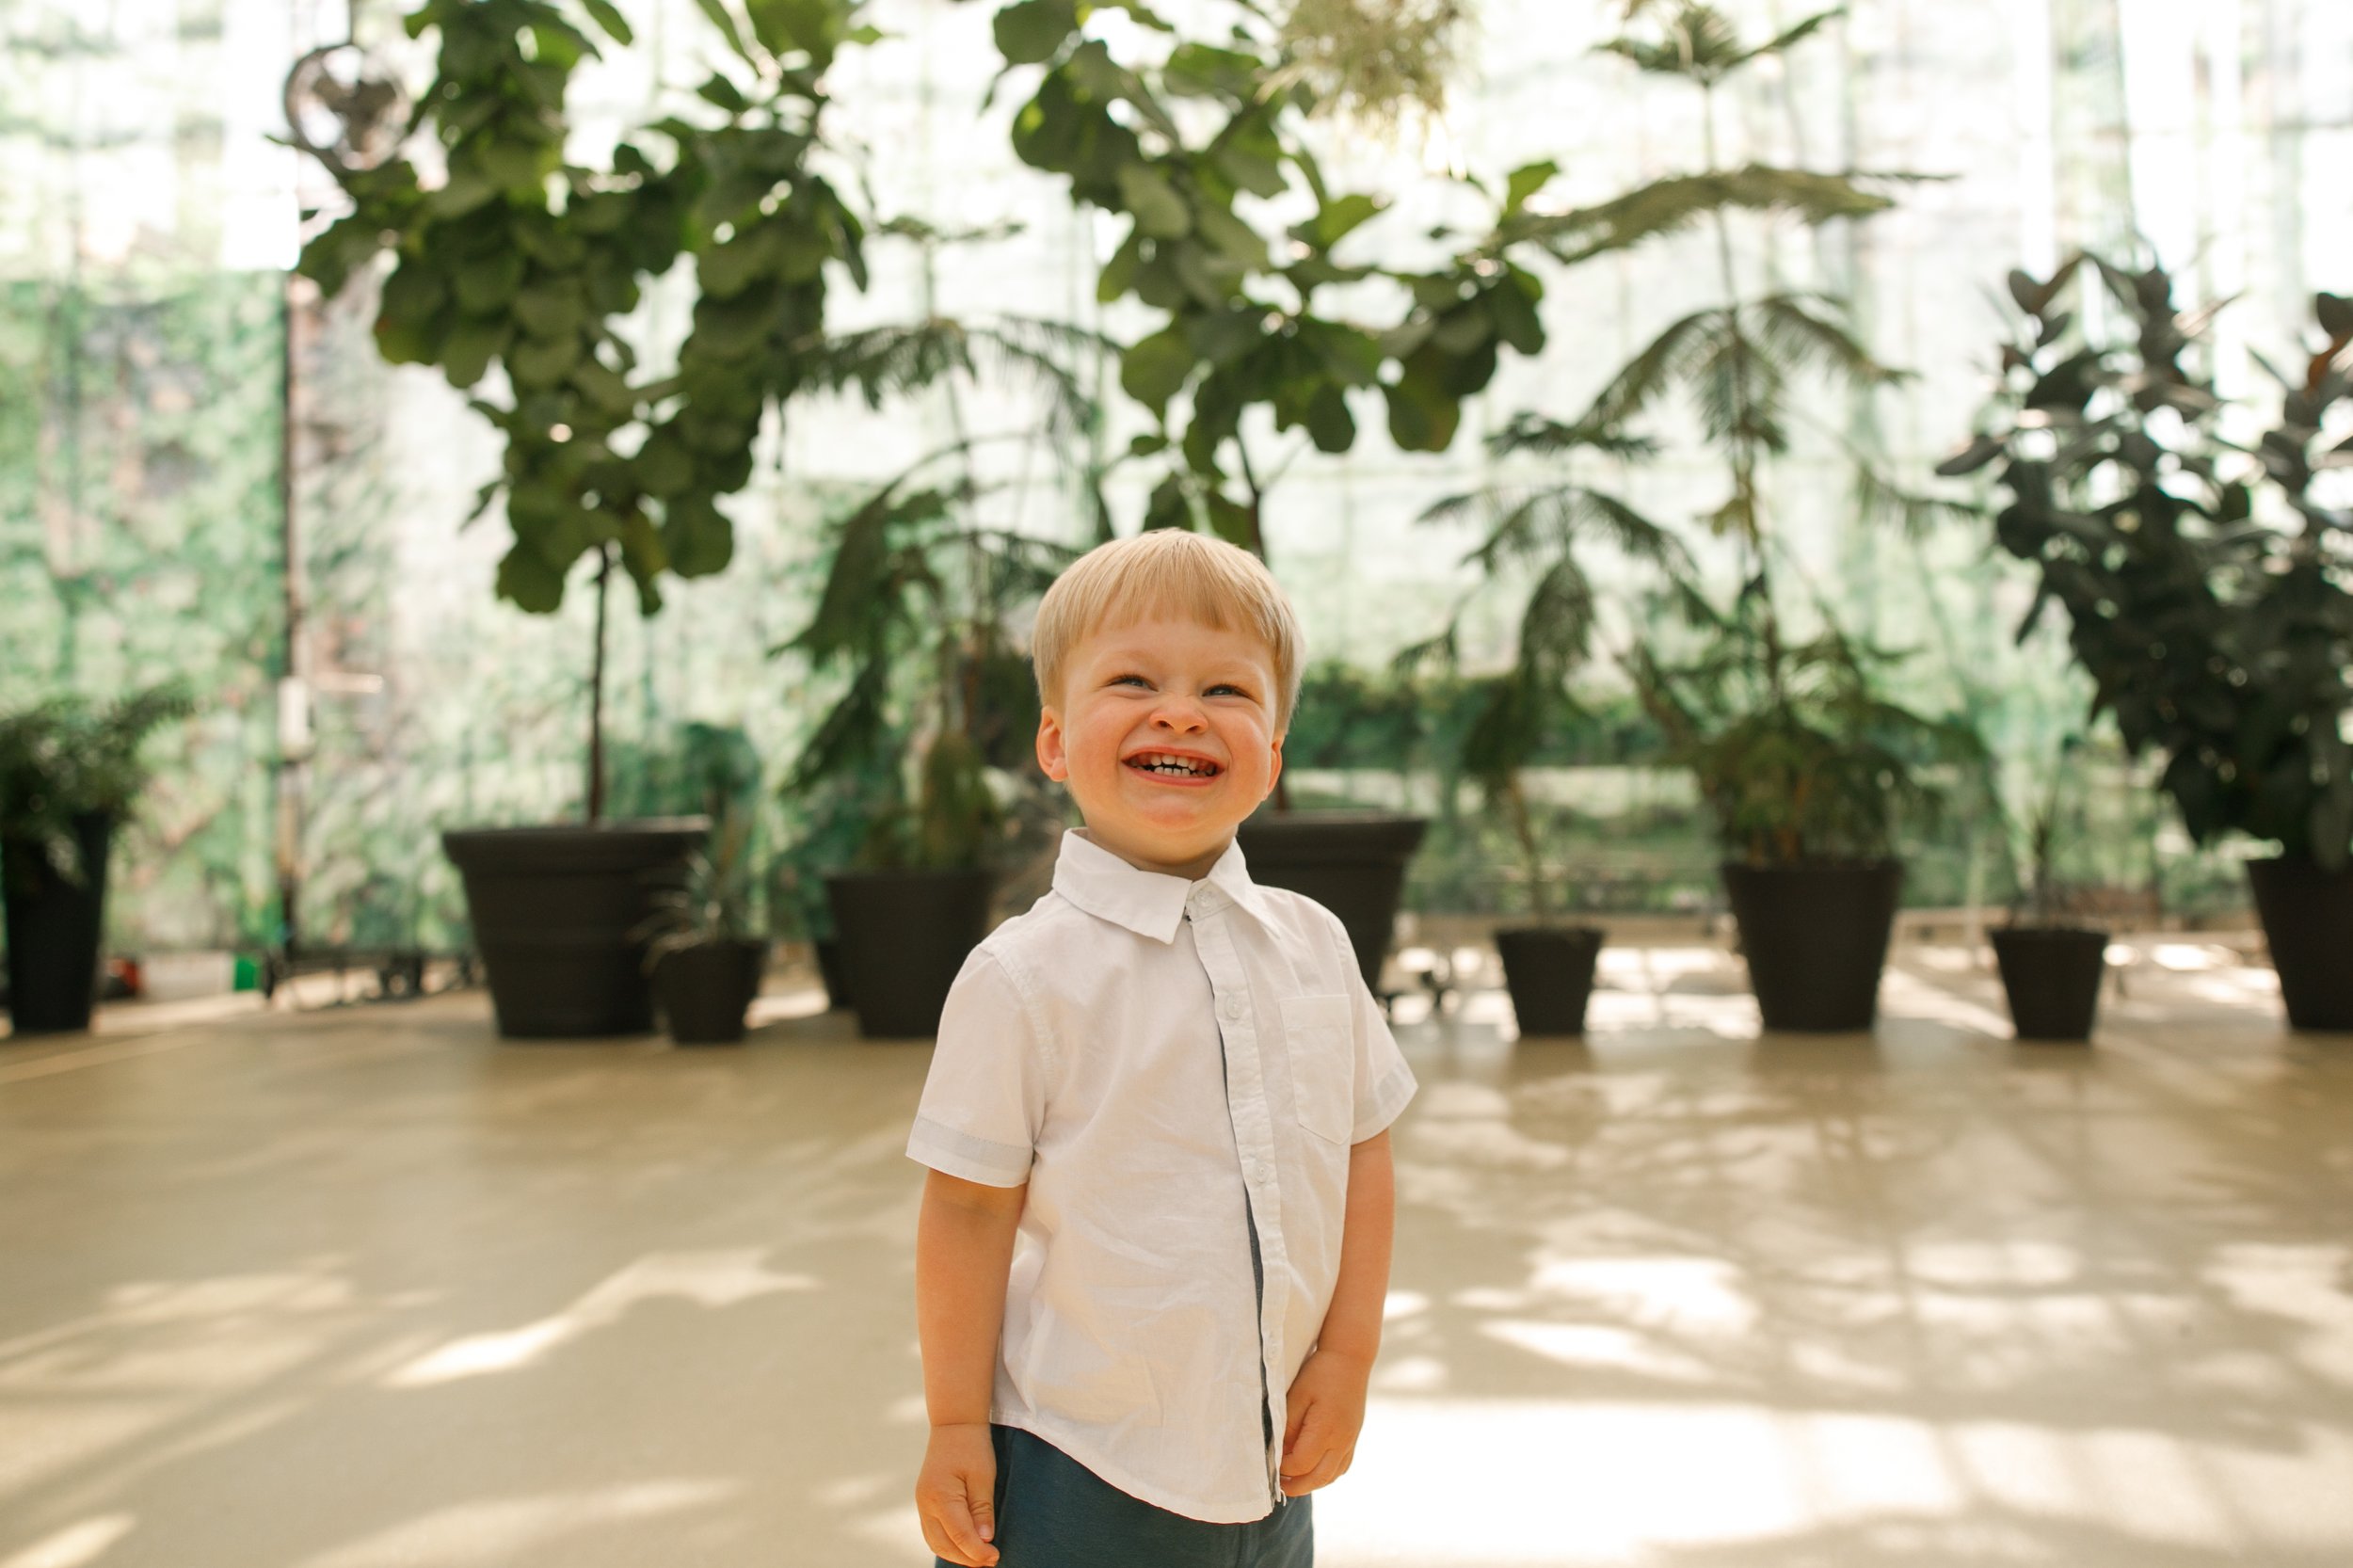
1150 903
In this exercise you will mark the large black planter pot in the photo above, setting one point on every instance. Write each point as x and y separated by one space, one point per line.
553 909
1549 972
2052 976
829 969
1815 937
1351 862
705 990
904 935
55 928
2308 920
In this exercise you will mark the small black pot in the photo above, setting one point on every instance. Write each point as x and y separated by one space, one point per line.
705 990
1549 972
1815 937
54 930
2052 975
1351 862
904 935
555 910
2307 917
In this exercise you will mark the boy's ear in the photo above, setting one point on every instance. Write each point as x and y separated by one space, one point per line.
1050 755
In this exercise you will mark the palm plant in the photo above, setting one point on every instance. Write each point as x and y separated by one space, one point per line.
1795 752
918 583
1797 755
63 762
1538 530
708 899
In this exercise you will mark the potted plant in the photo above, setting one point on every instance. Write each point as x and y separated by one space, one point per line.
1804 763
2051 962
702 949
69 776
510 257
1186 149
919 609
1537 531
2204 584
1808 772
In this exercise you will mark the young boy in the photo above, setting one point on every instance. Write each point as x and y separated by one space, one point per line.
1155 1237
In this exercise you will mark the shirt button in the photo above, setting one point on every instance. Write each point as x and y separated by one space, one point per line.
1231 1007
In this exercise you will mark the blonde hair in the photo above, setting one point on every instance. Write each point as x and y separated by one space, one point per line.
1168 573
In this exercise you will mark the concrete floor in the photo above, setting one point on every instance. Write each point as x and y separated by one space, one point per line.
363 1288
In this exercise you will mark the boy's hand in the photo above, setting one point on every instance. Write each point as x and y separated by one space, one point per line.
1326 1411
956 1494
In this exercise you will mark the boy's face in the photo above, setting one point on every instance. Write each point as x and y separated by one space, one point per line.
1161 686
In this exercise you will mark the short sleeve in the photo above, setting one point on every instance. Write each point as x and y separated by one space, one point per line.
1384 1082
985 1096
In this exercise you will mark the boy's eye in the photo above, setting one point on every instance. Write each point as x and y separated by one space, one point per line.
1221 686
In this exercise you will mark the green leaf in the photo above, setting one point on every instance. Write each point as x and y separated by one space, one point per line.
1119 273
1159 212
1513 312
470 348
724 93
412 294
663 466
729 29
467 189
813 26
553 309
1204 70
1329 423
1525 181
1226 336
1348 356
488 286
1421 417
1336 221
609 18
1168 508
538 363
1229 520
1033 31
1236 239
1156 369
697 538
1253 170
525 578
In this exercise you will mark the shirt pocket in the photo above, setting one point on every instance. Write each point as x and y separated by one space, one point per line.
1316 1041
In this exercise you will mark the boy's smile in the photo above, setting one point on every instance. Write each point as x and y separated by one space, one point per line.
1165 737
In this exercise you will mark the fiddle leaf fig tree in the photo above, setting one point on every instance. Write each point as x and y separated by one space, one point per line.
507 257
1183 150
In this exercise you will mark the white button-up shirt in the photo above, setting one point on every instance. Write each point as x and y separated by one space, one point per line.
1165 1062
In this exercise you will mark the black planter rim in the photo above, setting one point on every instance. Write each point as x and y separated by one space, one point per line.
1818 867
907 873
1575 932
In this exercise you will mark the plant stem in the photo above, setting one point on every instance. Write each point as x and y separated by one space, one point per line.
596 691
1743 454
1515 807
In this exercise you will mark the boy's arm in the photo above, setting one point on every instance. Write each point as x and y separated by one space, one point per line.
963 1251
1327 1399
